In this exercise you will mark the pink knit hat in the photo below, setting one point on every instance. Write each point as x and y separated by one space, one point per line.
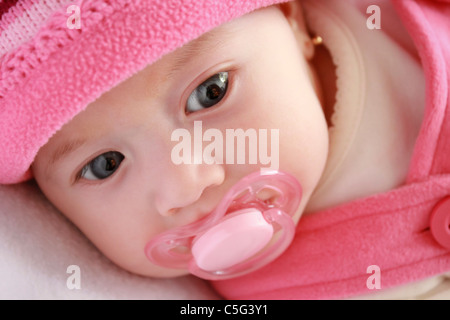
50 70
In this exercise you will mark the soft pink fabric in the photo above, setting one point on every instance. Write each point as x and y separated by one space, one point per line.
333 248
21 21
48 79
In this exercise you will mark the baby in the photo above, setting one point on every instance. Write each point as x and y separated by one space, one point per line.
109 170
344 98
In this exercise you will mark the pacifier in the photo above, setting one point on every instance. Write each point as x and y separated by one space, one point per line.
249 228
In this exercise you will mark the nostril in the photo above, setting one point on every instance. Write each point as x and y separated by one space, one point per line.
172 211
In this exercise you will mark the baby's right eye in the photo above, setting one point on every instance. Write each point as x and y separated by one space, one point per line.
102 166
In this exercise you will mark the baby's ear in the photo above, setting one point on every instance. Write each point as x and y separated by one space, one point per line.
293 12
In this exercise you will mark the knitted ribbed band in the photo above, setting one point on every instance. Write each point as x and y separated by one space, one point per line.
50 71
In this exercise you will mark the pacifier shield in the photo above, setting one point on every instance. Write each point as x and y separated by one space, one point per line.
232 241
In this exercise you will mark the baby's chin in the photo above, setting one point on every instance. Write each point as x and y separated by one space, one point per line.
167 274
140 265
153 271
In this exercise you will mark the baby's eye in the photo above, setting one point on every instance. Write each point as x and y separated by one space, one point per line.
103 166
208 93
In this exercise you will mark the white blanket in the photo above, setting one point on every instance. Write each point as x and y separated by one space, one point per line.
38 248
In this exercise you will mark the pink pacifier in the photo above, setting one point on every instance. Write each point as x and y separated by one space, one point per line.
250 227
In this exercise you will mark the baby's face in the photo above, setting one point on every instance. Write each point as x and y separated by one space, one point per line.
111 169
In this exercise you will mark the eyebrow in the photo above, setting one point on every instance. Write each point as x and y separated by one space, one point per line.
65 150
215 38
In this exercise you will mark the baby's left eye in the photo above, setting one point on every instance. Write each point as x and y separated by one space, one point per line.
209 93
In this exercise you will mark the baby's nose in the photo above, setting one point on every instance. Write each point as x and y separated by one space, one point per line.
184 185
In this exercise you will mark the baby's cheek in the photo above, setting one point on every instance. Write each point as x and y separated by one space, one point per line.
304 156
129 254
